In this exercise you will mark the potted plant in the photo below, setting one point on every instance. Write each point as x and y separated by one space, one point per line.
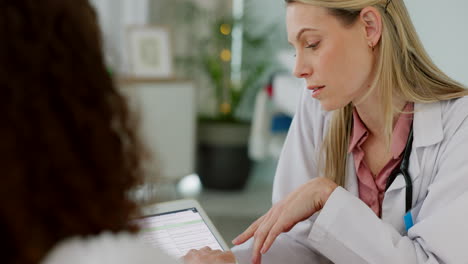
223 132
222 156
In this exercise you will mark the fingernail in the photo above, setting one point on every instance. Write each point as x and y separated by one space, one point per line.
263 250
234 241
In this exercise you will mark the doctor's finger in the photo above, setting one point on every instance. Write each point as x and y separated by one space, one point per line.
249 232
260 236
275 231
258 243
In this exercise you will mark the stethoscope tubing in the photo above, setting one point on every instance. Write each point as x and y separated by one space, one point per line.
403 170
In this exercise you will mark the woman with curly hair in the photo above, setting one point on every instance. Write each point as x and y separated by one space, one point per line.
68 151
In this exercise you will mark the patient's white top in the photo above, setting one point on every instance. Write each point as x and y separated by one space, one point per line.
121 248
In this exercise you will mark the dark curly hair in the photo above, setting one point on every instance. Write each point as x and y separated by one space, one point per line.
68 151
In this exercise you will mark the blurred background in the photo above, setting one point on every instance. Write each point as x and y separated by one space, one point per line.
212 83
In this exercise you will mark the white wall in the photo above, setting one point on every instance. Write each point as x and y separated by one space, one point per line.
267 13
442 27
167 119
115 16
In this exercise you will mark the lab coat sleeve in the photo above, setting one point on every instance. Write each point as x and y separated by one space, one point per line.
347 231
120 248
296 166
298 159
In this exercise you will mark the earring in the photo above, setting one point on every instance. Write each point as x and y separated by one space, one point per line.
371 45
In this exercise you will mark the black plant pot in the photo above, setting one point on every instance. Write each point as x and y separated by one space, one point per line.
222 156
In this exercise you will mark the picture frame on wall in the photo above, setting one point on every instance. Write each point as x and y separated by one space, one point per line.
150 54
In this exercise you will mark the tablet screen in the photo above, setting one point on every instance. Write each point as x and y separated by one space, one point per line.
177 232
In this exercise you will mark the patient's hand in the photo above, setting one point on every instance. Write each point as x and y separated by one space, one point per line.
208 256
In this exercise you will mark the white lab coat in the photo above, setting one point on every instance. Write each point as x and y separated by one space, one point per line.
347 230
106 248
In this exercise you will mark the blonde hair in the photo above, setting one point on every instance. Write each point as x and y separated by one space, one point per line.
403 69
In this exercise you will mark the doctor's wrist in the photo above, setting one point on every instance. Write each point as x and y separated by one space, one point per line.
328 187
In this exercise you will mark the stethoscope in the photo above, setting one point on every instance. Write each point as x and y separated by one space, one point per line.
403 170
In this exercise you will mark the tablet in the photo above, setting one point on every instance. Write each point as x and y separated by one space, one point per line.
179 226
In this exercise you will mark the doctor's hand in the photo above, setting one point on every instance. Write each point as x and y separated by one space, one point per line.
208 256
284 215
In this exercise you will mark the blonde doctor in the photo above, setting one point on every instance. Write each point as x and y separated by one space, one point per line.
375 166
